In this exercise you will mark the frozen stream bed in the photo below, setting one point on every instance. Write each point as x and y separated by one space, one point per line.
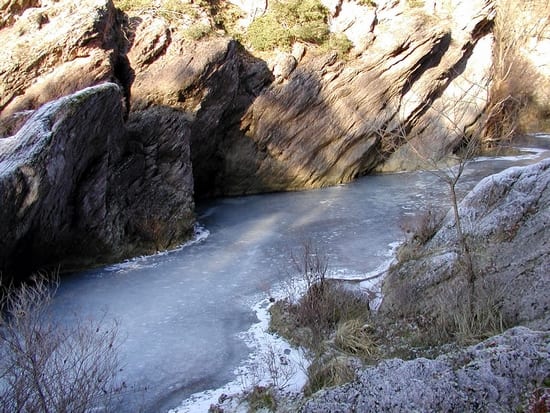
184 314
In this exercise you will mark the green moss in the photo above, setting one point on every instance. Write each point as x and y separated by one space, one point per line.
133 5
197 31
339 43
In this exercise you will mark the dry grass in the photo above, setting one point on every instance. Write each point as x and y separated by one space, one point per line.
418 230
356 338
329 371
514 80
469 316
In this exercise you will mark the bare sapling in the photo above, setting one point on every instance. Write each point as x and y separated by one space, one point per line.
448 169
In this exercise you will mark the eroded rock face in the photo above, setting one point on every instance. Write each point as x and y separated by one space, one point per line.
505 219
301 120
293 123
210 83
57 48
77 188
496 375
312 121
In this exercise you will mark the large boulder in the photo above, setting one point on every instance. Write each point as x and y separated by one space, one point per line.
77 188
497 375
505 219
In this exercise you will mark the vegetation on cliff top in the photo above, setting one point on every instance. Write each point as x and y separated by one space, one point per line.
287 22
284 22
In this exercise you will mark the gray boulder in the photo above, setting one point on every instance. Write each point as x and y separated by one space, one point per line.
506 219
497 375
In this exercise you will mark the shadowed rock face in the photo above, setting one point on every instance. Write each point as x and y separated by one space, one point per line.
302 120
78 188
504 214
294 123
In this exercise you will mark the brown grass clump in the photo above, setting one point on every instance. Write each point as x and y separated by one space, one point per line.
468 317
328 372
355 337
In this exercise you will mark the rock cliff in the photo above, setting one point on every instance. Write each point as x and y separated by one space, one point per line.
297 120
78 187
288 121
56 48
301 121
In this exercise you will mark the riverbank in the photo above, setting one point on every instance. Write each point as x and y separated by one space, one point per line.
442 333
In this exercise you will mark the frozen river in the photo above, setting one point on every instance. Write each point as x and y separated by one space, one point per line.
181 313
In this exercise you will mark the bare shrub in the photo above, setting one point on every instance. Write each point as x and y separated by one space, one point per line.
325 302
46 366
276 366
514 80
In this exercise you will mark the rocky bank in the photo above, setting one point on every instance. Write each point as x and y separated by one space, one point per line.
505 220
497 375
79 186
207 117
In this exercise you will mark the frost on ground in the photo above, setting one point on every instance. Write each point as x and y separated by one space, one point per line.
273 362
497 375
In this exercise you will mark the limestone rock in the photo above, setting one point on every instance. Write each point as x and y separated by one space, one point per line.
497 375
54 178
505 219
76 189
252 8
11 9
282 66
356 21
302 122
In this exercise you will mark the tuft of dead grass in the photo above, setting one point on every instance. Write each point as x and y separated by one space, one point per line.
468 316
356 337
329 371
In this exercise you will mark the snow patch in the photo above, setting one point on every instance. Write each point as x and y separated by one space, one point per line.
272 361
200 234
